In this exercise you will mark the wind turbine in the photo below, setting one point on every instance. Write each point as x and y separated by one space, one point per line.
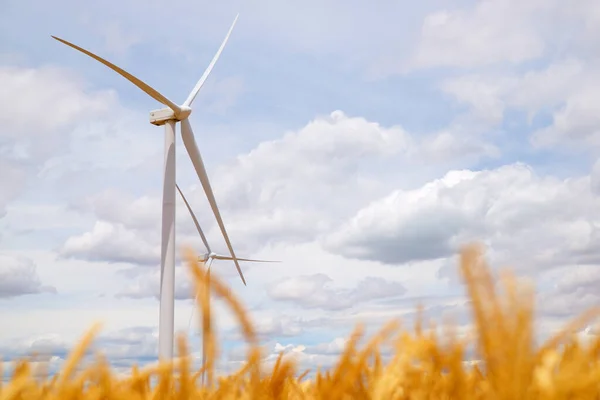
209 256
169 117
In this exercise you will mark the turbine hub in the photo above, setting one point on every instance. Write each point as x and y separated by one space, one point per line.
185 112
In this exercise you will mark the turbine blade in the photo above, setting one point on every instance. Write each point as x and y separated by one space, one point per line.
194 92
192 148
137 82
220 257
198 228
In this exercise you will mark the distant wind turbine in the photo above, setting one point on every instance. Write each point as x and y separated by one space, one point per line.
169 117
209 256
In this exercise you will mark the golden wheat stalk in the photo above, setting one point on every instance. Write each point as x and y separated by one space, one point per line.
423 366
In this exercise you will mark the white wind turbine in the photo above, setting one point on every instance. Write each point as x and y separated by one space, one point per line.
208 256
168 117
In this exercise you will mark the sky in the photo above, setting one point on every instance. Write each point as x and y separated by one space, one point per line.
361 144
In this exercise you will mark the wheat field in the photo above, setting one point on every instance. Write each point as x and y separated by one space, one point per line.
424 365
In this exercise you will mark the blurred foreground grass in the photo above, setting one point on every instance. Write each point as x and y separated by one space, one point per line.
423 365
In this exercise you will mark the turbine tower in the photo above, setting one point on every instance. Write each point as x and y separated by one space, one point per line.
168 117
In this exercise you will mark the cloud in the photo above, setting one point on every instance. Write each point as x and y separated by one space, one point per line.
123 347
120 207
321 355
293 184
284 191
420 227
558 88
305 357
574 289
504 33
290 184
456 143
566 304
305 168
271 325
490 95
111 242
18 277
493 31
147 284
577 122
39 107
545 220
41 104
583 279
127 346
492 41
13 181
278 325
313 291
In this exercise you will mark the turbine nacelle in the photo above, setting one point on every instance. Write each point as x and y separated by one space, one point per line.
207 256
162 116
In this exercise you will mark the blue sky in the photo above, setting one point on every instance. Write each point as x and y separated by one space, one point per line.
360 144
